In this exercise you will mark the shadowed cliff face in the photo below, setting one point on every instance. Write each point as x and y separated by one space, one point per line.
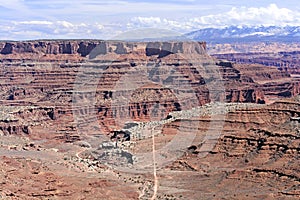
284 61
48 72
70 96
163 49
84 48
128 80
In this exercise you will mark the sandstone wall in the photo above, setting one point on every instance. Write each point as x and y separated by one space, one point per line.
84 48
168 76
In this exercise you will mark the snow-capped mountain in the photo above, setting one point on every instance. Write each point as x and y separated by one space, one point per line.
247 34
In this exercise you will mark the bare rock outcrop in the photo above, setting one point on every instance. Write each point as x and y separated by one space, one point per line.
69 95
85 47
49 72
162 49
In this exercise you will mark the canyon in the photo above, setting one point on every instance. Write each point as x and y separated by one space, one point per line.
284 56
86 119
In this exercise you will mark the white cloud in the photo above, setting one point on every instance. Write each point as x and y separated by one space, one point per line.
97 28
252 16
34 23
270 15
156 22
23 30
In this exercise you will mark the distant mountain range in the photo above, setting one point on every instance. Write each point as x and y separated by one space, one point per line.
247 34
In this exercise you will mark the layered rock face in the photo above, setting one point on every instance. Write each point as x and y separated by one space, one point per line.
125 81
273 82
257 83
284 61
64 97
85 47
255 156
52 72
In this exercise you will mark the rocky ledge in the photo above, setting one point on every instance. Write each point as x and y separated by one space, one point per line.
85 47
69 107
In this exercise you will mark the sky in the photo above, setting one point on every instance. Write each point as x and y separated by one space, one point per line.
108 19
